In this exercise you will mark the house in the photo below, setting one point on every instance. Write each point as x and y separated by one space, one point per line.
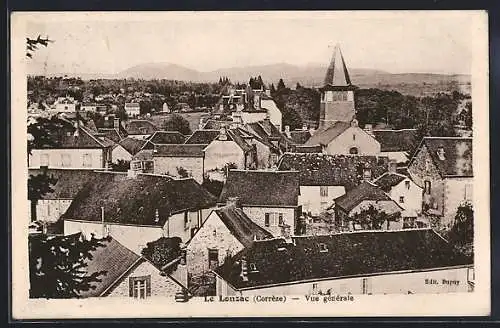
141 129
226 231
358 263
398 145
127 148
232 146
111 127
269 198
68 183
73 147
274 114
362 198
296 137
323 178
442 166
203 136
65 105
407 194
345 138
180 160
139 208
132 109
126 274
270 136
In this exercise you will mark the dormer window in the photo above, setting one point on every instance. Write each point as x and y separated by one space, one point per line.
407 184
441 153
253 267
323 248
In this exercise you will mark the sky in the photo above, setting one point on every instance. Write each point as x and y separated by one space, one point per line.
397 42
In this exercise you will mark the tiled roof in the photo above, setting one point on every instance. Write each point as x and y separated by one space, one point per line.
457 160
308 149
69 181
241 226
132 145
114 259
332 170
337 74
182 150
216 124
347 255
144 155
111 134
299 137
66 138
326 135
266 188
365 191
167 137
139 127
202 136
397 140
135 200
388 180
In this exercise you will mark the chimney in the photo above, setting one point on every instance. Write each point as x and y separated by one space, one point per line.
201 124
157 216
287 131
244 270
116 123
268 92
222 133
311 130
77 128
232 201
392 166
304 127
441 153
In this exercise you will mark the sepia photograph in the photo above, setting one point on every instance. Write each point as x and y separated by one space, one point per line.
242 164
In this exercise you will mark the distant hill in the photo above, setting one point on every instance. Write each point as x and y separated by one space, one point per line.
310 75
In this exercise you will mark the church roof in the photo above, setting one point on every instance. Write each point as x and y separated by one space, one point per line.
337 74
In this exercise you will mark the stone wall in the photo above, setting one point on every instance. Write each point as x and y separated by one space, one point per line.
169 165
257 214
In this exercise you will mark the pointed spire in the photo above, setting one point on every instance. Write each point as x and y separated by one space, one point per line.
337 74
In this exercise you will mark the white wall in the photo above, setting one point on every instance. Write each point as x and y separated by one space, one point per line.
257 214
311 200
354 137
120 153
275 115
168 166
248 117
456 191
49 210
412 197
397 156
218 153
76 158
389 207
397 283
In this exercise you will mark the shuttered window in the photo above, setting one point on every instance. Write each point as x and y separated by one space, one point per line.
266 219
140 287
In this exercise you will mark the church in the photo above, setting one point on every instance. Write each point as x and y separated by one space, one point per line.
338 132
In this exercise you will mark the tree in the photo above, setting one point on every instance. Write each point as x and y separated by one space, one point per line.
38 186
462 231
182 172
213 186
371 218
163 251
45 132
177 123
281 85
120 166
58 265
32 45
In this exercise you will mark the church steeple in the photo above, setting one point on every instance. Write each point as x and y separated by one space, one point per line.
337 74
337 94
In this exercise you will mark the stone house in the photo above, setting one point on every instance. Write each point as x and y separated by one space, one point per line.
225 232
368 263
127 274
362 197
323 178
127 148
344 138
180 159
442 166
268 198
407 194
137 208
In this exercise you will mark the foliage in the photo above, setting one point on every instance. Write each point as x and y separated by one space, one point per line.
182 172
45 132
32 45
462 231
163 251
58 265
371 218
177 123
120 166
213 186
256 83
38 186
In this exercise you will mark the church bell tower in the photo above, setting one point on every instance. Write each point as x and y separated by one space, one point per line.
337 94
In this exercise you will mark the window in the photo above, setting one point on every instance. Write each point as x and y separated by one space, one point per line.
87 160
314 288
65 160
273 219
366 286
323 248
409 222
140 287
367 174
213 258
44 160
427 164
323 191
427 187
407 184
354 137
353 150
253 267
186 220
401 199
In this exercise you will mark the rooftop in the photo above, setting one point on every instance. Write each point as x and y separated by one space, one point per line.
396 140
132 145
182 150
365 191
140 127
388 180
326 135
204 136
